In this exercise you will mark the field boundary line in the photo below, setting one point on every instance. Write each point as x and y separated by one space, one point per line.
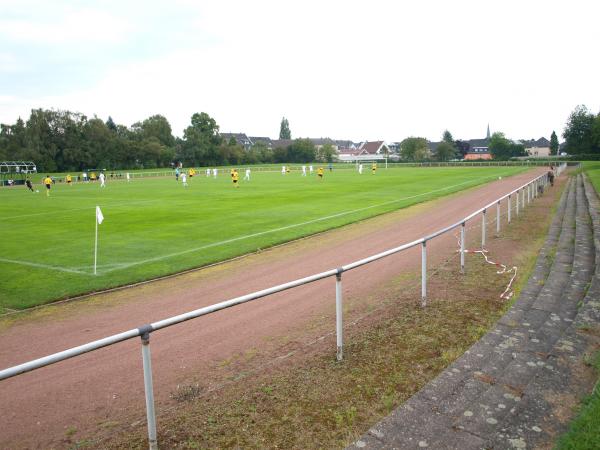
274 230
43 266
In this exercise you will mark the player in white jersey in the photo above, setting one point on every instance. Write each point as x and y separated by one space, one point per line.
360 168
310 168
247 176
215 173
282 170
184 179
303 171
102 178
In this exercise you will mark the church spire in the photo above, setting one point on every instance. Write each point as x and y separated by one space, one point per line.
488 132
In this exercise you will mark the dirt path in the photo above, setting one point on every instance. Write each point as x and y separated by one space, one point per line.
104 388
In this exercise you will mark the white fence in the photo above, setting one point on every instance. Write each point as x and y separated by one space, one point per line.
523 196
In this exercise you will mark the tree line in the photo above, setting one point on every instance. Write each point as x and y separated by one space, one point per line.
60 141
582 132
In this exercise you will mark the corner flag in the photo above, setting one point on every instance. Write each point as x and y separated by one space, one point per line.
99 216
99 219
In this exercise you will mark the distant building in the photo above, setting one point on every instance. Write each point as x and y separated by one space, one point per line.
367 151
240 139
537 148
265 140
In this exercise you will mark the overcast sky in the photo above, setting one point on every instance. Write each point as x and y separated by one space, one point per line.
341 69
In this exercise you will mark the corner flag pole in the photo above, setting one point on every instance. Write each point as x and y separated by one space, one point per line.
99 219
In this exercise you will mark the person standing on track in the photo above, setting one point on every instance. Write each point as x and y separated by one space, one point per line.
48 183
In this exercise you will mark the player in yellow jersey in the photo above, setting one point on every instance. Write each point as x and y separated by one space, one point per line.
68 179
48 183
374 168
235 176
320 173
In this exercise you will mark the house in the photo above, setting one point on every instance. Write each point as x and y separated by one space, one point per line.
265 140
367 151
539 148
319 143
240 139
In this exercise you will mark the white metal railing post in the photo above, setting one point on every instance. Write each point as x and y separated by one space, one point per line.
497 219
338 316
150 414
424 274
517 204
483 229
509 207
462 248
523 198
528 193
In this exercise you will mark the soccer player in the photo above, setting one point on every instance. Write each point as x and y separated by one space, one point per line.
68 179
48 183
127 176
374 168
28 184
208 172
235 176
93 176
215 173
310 169
320 173
177 174
287 169
282 170
102 179
303 171
247 176
184 179
360 169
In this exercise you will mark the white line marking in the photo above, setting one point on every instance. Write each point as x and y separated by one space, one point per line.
62 211
43 266
287 227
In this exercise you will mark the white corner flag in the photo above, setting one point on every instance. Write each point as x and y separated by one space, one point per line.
99 216
99 219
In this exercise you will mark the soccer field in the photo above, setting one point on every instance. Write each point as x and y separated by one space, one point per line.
155 226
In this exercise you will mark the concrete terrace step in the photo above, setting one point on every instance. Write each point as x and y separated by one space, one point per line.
508 389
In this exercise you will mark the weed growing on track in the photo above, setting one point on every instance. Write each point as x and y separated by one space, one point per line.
311 401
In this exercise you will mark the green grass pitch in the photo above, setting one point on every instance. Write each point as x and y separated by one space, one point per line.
155 226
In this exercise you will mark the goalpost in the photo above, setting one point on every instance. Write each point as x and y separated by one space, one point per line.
15 172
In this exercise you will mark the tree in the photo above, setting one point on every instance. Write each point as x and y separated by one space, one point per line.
503 148
414 149
578 132
301 150
596 133
326 153
447 137
445 151
284 129
110 124
158 127
553 143
201 141
463 147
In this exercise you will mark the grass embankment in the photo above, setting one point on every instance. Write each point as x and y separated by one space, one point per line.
155 226
584 430
394 347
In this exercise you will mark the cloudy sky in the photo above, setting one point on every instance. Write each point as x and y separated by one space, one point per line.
341 69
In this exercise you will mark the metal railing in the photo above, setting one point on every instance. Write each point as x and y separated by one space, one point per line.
528 192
